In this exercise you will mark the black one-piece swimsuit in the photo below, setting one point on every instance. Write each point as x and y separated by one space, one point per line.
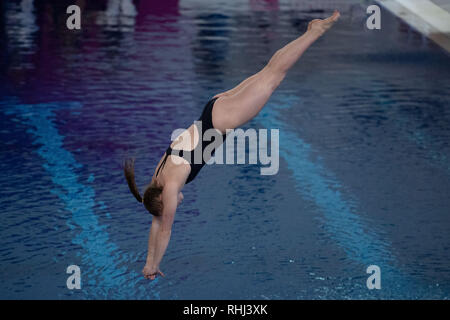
206 121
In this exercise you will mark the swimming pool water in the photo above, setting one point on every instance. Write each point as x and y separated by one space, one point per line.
364 154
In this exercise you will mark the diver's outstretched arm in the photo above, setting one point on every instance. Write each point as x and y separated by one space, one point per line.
160 232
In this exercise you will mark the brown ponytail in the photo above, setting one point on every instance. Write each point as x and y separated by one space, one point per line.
152 200
128 168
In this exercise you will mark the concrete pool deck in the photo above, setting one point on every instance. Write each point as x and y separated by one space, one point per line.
429 17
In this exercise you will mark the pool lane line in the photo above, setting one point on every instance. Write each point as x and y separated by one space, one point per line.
101 256
343 220
423 15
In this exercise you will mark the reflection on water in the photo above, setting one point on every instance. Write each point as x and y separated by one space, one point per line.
364 168
118 14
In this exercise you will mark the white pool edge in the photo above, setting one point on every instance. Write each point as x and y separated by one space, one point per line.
424 16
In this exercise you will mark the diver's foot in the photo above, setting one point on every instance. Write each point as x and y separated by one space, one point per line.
320 26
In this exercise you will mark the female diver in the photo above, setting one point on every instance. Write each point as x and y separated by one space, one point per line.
231 109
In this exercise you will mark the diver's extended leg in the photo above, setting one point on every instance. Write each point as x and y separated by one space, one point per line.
242 103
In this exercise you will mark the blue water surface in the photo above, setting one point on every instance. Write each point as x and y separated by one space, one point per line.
364 169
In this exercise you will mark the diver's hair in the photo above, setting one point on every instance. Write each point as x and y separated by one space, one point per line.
151 198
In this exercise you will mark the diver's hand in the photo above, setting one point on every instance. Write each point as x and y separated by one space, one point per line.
151 272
